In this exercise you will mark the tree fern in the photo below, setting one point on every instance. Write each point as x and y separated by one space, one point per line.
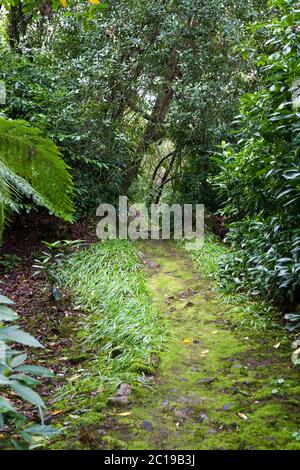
31 165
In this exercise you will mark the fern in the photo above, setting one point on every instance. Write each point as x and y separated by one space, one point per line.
31 166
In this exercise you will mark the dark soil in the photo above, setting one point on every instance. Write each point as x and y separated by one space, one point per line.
49 321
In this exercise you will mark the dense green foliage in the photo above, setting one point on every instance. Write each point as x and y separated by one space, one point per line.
260 176
30 166
139 98
110 89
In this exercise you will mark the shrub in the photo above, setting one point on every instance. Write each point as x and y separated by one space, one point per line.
260 176
18 378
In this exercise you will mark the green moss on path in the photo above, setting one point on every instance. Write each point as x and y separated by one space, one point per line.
216 387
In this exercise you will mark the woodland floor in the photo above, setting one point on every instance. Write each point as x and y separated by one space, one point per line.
218 383
213 388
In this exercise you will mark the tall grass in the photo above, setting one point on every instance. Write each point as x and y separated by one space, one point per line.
247 310
121 327
207 259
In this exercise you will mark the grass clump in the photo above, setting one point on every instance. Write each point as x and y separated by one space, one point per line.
121 327
210 261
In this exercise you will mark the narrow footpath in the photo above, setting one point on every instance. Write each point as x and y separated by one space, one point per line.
219 385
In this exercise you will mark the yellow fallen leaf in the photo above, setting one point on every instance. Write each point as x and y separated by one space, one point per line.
214 332
276 346
125 413
94 1
186 341
205 351
243 416
63 3
56 412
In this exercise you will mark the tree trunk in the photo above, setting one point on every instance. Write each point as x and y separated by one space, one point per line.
155 126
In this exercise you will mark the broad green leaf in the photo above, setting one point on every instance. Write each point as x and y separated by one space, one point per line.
5 300
5 406
4 380
7 314
28 394
42 430
26 379
35 370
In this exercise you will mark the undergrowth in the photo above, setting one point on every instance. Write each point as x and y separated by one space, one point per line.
247 311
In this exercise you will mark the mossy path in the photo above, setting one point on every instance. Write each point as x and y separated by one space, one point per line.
217 386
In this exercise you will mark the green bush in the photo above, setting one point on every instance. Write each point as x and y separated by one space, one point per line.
260 176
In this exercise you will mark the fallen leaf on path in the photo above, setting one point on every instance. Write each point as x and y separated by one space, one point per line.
243 416
125 413
276 346
75 377
186 341
56 412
